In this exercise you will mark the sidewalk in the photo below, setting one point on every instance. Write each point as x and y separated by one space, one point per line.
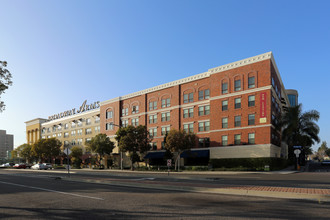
320 195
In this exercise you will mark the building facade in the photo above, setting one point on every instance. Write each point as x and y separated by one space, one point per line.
6 144
73 128
233 109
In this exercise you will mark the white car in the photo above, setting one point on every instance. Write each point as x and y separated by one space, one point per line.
48 165
5 165
39 166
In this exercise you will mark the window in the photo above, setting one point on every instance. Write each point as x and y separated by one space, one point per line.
224 88
54 128
224 139
109 114
43 130
273 82
97 119
237 103
124 123
251 82
188 113
124 111
79 123
153 105
237 85
237 121
152 119
165 130
251 138
66 143
79 141
88 131
203 110
88 121
73 124
135 121
135 109
153 146
109 126
48 136
251 100
204 94
188 98
251 119
97 129
204 142
54 135
204 126
189 128
66 126
59 135
73 142
66 134
163 145
166 116
88 140
79 131
166 103
237 139
153 132
48 130
59 127
73 133
224 105
224 122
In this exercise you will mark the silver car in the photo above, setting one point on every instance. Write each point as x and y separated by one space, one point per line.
39 166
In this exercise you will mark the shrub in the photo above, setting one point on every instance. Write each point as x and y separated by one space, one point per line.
249 163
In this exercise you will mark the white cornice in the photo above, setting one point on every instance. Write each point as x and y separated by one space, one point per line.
35 121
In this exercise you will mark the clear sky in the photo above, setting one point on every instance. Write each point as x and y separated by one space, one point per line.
63 52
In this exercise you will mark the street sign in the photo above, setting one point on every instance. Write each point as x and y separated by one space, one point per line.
296 147
67 151
297 152
169 162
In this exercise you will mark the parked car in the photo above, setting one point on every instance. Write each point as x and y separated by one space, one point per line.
5 165
48 165
325 162
20 166
39 166
28 165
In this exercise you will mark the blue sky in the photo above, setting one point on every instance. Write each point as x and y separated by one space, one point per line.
63 52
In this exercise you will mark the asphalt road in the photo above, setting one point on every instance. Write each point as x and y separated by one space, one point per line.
39 195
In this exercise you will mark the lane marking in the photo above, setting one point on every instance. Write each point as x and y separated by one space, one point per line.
50 190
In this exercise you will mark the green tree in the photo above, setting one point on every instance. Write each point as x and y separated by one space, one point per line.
23 151
46 148
52 148
133 139
76 153
179 141
5 81
323 150
101 144
300 129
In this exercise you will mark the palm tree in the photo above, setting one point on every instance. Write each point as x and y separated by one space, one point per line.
300 129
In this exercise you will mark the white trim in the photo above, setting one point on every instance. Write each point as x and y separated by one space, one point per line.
244 92
240 128
188 123
68 118
204 120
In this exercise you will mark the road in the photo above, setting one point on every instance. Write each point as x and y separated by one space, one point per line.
43 195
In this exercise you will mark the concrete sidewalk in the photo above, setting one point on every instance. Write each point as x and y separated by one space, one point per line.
319 195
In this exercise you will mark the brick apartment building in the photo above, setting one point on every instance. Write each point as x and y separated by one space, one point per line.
233 109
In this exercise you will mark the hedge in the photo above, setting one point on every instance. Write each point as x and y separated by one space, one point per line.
250 163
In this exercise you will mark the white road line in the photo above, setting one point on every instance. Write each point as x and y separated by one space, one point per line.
49 190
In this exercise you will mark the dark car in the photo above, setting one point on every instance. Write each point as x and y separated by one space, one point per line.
20 166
